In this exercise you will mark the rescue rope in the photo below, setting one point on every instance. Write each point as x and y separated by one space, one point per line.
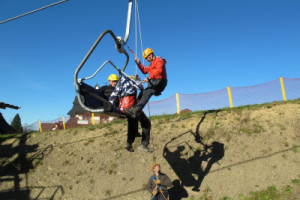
138 28
135 30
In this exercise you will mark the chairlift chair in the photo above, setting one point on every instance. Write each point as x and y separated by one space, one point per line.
90 98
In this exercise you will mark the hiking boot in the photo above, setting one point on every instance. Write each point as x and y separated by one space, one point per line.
128 147
145 148
131 112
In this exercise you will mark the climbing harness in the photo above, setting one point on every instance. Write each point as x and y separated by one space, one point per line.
90 98
161 189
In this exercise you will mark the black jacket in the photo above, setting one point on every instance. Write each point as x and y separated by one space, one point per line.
106 90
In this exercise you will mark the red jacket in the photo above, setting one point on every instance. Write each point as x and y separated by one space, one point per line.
156 70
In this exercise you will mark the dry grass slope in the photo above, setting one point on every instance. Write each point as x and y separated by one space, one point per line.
221 154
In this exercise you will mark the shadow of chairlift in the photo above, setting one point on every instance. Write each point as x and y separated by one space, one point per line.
188 166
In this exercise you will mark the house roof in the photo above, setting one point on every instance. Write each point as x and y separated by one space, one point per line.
77 109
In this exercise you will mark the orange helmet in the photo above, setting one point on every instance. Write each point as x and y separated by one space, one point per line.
147 52
155 165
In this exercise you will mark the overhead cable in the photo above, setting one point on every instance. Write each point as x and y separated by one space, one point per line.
32 11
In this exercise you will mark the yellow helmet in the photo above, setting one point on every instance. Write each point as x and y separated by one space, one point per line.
147 52
113 77
132 77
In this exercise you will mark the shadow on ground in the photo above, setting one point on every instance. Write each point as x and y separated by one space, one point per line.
16 160
190 162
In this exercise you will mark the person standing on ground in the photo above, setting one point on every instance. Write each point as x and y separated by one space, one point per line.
157 81
158 184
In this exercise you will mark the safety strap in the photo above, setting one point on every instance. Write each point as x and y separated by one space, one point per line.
164 191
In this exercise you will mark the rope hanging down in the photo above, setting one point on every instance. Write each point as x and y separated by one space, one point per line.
19 16
138 29
137 21
138 24
135 31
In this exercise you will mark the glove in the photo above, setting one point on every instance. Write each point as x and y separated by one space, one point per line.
154 192
157 182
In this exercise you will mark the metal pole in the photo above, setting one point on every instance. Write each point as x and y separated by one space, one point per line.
128 22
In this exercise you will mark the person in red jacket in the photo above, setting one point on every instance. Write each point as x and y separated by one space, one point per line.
157 81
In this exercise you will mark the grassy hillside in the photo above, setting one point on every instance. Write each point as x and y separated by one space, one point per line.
250 152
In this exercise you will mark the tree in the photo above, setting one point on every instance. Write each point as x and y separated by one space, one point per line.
16 124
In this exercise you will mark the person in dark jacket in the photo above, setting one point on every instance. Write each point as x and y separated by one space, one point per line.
158 184
124 94
106 90
157 81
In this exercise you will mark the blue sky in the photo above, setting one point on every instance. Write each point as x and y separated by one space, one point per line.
209 45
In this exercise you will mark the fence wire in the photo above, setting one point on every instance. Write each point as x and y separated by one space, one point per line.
257 94
240 96
292 88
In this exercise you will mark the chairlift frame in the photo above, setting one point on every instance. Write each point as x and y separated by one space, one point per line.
88 95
